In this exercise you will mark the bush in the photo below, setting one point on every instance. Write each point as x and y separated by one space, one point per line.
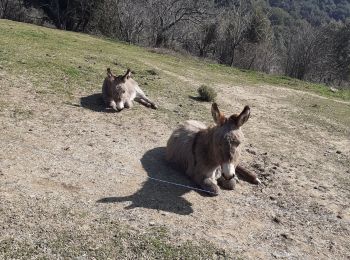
152 72
206 93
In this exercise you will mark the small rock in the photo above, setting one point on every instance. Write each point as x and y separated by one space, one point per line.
285 235
30 130
314 105
152 223
66 148
276 220
258 167
338 152
333 89
251 151
272 198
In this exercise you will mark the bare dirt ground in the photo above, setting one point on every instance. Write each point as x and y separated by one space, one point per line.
65 167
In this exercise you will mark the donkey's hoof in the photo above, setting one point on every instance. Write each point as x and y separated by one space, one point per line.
212 190
227 184
154 106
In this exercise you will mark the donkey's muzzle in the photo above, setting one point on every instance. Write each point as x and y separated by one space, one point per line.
228 170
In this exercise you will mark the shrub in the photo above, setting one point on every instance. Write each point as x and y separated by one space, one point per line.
206 93
152 72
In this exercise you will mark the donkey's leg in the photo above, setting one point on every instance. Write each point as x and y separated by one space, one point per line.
110 103
227 184
142 102
247 175
142 96
207 183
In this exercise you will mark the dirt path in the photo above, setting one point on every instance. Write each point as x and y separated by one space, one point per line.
58 157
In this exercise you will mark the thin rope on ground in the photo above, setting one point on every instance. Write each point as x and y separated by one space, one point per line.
94 164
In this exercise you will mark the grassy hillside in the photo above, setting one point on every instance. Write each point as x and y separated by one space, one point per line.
64 62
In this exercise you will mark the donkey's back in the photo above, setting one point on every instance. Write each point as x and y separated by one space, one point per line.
179 146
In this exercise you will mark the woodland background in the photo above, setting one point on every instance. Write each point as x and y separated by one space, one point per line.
304 39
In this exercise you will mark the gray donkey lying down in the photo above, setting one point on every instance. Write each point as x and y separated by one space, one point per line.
210 155
119 91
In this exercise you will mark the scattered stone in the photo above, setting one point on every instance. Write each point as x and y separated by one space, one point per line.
276 220
272 198
66 148
90 144
259 167
338 152
251 151
314 105
30 130
152 223
285 236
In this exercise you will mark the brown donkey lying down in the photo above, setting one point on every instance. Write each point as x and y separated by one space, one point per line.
210 155
119 91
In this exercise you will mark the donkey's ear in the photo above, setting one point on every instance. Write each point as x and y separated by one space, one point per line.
127 75
219 117
109 72
243 116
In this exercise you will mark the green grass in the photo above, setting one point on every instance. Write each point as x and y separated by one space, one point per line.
108 240
66 62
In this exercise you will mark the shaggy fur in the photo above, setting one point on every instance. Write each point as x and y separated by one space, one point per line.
209 155
119 91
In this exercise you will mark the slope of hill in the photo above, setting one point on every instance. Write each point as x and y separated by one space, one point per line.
75 180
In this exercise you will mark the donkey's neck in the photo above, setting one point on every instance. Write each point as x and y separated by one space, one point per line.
206 140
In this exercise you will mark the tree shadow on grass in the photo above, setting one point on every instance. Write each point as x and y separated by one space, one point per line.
95 103
156 194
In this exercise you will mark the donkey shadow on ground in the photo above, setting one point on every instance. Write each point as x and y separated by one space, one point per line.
155 192
95 103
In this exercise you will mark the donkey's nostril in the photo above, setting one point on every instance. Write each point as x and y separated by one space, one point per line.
228 170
